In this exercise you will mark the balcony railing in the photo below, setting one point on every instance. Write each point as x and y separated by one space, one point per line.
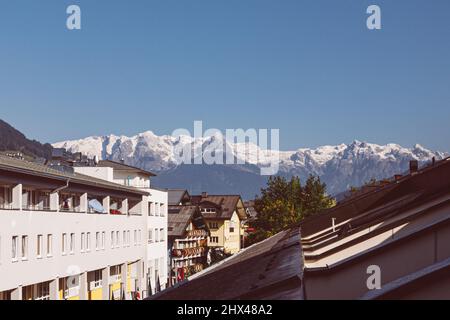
97 284
189 252
35 207
71 292
70 210
6 206
115 278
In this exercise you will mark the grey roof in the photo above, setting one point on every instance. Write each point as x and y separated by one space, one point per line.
275 268
268 270
175 196
35 169
178 219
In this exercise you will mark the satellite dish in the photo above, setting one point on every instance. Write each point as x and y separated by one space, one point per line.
96 160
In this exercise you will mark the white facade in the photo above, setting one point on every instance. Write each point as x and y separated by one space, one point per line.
55 245
155 224
53 260
52 253
157 243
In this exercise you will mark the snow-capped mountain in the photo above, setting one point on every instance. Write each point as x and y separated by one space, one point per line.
339 166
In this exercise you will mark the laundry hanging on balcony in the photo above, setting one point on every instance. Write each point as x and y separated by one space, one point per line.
96 206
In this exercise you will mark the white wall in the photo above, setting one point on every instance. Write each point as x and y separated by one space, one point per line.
35 270
158 249
134 180
104 173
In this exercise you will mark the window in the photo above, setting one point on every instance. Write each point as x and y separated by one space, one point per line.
64 243
128 238
43 291
150 235
124 238
88 242
231 229
117 239
49 245
139 236
14 247
103 240
135 237
157 209
95 279
39 245
161 235
150 209
156 264
161 210
115 273
24 247
82 243
156 235
214 225
113 239
214 239
97 240
72 243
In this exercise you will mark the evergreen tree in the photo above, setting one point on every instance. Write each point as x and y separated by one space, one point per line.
283 203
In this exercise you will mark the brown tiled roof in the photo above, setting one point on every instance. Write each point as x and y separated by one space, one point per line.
226 205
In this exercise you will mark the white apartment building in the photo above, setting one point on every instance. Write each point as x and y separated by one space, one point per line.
156 224
69 236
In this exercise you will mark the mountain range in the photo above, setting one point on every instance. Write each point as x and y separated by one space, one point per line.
13 140
340 166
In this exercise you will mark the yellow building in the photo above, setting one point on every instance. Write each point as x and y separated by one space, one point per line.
225 216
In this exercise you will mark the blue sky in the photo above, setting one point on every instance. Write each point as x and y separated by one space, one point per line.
310 68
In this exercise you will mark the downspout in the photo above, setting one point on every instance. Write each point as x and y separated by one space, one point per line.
62 187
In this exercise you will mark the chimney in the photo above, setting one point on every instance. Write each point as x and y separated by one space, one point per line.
413 166
204 194
122 161
433 161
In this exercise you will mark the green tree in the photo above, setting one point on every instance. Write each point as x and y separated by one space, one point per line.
315 198
286 202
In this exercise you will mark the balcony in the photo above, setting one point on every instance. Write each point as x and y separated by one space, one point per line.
32 198
70 202
189 253
35 200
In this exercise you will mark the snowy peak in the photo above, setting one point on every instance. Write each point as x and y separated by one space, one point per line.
340 166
